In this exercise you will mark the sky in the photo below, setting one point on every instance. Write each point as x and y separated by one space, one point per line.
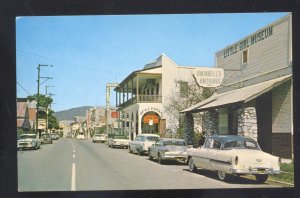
84 53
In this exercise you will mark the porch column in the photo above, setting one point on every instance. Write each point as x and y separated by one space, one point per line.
127 91
188 128
132 90
137 88
210 122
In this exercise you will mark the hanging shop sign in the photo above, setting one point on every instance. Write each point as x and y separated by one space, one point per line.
151 119
209 77
114 114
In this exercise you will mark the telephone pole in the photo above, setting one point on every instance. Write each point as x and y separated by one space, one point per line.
47 109
38 94
108 86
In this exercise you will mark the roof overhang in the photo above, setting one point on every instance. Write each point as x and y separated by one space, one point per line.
242 95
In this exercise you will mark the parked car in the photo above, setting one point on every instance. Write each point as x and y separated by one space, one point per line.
109 137
80 137
46 138
28 141
168 149
232 154
118 141
54 136
98 138
141 143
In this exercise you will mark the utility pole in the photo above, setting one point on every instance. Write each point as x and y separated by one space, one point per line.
38 94
108 87
50 94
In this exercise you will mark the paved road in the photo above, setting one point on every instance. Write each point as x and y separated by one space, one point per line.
80 165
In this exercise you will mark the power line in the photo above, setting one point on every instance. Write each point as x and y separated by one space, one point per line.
76 65
23 88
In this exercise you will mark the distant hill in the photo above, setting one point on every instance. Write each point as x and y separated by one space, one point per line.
70 113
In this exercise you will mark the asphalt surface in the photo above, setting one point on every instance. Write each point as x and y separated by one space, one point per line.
80 165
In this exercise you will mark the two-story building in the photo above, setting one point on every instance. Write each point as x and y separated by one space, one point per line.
141 96
255 98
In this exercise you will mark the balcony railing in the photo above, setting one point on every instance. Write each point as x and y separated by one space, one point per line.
142 99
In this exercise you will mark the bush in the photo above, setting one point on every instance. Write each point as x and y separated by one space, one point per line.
287 167
287 175
199 139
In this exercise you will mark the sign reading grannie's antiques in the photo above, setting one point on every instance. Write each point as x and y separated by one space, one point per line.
251 40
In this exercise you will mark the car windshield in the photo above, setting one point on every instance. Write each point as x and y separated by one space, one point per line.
46 135
152 138
174 142
244 144
27 136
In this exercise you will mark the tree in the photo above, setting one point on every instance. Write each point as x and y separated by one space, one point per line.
186 95
42 100
45 101
52 120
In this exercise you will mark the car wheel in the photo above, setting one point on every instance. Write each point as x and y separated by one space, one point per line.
261 178
150 157
139 152
160 160
192 166
222 176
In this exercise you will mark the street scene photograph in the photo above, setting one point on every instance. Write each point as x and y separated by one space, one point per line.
154 102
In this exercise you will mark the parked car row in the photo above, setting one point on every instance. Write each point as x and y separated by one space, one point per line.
32 141
226 154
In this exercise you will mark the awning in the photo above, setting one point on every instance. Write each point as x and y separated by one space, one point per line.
242 95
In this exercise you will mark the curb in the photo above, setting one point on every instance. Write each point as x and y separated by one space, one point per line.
290 184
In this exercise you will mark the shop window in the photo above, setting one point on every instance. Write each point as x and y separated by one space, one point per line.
245 56
183 89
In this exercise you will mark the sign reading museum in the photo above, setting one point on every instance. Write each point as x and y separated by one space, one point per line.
255 38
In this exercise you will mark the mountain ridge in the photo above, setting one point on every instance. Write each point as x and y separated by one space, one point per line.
70 113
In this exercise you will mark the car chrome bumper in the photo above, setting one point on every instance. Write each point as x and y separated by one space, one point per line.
120 144
175 156
25 146
255 171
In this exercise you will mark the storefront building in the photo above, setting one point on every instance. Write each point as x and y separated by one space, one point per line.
255 97
141 96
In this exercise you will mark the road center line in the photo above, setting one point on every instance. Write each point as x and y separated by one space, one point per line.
73 179
73 155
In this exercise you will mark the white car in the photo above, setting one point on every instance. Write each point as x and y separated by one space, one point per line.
80 137
118 141
99 138
232 154
29 140
168 149
141 143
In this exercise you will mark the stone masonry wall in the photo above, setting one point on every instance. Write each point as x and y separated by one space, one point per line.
247 122
210 122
